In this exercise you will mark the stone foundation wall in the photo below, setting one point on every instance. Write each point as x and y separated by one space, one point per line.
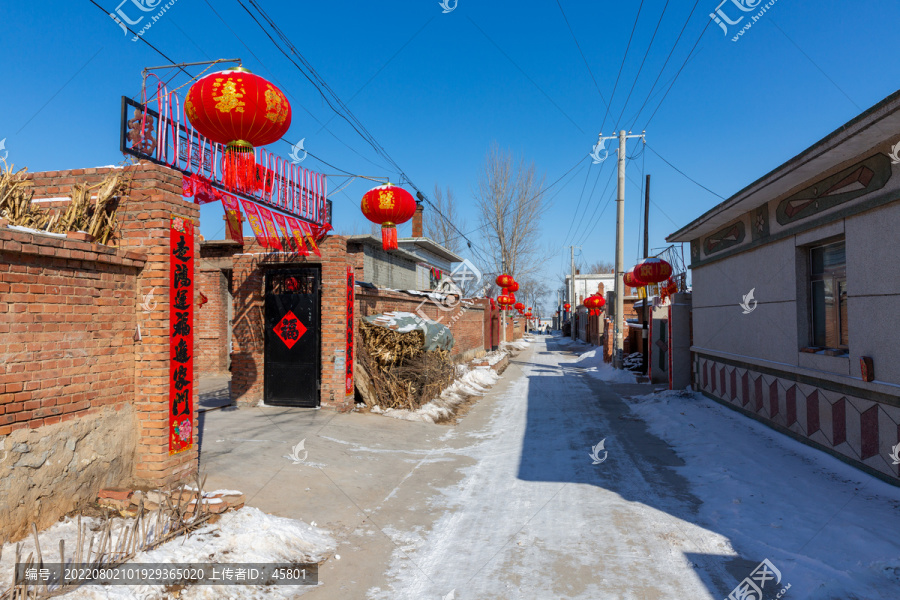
47 472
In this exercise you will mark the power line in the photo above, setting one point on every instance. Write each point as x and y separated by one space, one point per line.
580 199
643 60
683 65
665 64
683 173
580 51
269 71
587 233
627 48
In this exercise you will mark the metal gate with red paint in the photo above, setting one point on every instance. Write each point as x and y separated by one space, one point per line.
292 347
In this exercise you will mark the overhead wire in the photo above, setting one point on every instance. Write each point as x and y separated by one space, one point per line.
665 64
621 66
643 61
677 74
683 173
580 51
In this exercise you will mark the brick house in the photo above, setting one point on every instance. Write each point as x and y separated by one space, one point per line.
795 292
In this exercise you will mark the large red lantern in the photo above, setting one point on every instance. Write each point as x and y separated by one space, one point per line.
388 206
514 287
242 111
505 301
567 306
652 270
505 281
520 307
630 280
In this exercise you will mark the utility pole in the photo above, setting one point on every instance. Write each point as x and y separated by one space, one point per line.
572 300
619 321
559 311
645 333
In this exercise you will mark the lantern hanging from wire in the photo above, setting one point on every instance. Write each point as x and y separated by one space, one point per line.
631 280
241 111
388 206
652 270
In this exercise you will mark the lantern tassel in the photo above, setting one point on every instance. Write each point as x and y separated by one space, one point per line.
240 167
389 237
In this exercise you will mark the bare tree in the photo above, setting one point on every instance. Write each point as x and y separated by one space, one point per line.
601 267
442 222
509 198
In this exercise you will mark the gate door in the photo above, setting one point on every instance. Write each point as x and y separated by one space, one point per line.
292 373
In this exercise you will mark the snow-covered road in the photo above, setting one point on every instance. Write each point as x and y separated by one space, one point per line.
686 499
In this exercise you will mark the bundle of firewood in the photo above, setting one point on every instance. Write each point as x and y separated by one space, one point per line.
394 371
391 347
96 216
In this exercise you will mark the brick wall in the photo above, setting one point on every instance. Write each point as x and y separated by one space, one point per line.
211 352
465 320
144 221
83 403
65 345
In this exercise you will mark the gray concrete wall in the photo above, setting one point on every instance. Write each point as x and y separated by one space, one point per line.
873 284
386 270
778 327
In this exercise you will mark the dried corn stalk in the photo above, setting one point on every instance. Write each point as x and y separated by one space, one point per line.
95 216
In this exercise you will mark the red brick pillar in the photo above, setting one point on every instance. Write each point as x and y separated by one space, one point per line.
145 224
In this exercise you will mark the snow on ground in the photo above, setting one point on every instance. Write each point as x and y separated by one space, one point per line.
592 362
244 536
472 382
833 531
532 517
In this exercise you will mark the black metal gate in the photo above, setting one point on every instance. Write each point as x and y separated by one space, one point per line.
292 361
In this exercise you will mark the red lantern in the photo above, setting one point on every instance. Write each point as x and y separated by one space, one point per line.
631 280
519 306
594 304
241 110
567 306
652 270
504 281
388 206
505 301
514 287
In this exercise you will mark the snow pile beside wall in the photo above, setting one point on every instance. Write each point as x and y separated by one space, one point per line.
473 382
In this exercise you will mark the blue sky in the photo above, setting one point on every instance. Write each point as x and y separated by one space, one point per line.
437 89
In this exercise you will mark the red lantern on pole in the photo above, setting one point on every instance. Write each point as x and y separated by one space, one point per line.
514 287
652 270
505 281
567 306
594 304
242 111
388 206
505 301
519 306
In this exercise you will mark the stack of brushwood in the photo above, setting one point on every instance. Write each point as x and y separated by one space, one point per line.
95 217
394 371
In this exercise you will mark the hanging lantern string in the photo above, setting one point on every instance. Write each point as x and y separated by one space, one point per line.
196 77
